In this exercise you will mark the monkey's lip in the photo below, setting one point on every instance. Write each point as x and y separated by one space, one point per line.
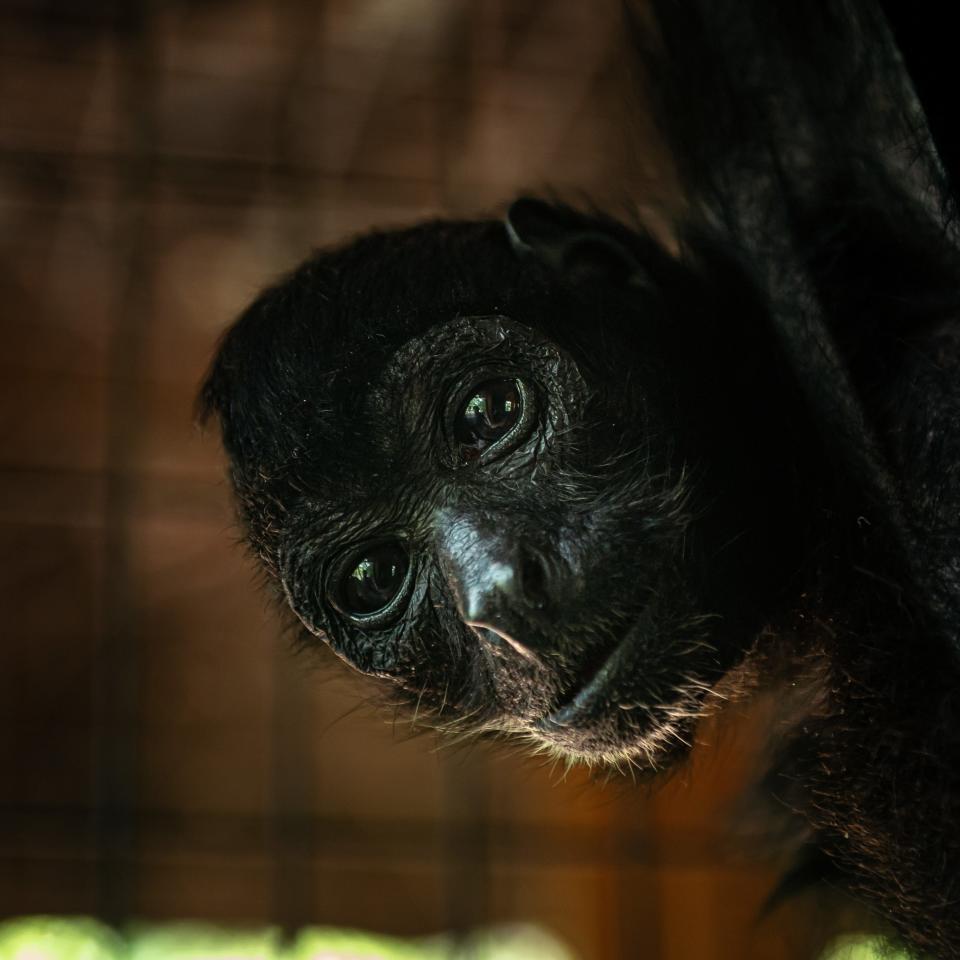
575 706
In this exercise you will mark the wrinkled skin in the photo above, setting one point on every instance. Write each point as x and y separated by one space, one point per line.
753 443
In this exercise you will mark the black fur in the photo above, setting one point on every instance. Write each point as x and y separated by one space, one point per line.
752 445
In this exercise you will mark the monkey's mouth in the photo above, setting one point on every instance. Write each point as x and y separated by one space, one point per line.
578 706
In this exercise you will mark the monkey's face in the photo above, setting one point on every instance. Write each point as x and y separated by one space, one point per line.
513 549
496 498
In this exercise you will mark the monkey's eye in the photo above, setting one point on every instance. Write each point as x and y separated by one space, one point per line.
492 410
371 581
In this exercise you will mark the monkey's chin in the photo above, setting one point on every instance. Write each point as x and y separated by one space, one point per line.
648 740
610 721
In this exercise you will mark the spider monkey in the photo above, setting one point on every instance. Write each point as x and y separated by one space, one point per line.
553 480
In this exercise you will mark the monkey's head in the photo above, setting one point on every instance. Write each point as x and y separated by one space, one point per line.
535 475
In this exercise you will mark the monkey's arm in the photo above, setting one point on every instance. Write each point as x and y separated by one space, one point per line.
804 150
801 144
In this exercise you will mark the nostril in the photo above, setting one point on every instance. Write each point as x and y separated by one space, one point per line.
533 577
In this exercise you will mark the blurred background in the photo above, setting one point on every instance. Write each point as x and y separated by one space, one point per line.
163 753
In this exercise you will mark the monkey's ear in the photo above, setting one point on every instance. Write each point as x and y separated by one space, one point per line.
573 244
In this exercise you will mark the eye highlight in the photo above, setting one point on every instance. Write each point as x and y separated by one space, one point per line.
491 411
371 581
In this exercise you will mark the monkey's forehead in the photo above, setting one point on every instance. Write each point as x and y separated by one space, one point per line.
356 303
370 429
338 319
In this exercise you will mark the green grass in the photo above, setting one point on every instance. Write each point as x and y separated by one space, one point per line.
62 938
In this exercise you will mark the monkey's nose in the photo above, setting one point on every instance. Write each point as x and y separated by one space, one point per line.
507 603
499 581
500 585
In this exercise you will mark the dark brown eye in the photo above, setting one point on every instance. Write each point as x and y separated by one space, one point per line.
372 579
493 408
